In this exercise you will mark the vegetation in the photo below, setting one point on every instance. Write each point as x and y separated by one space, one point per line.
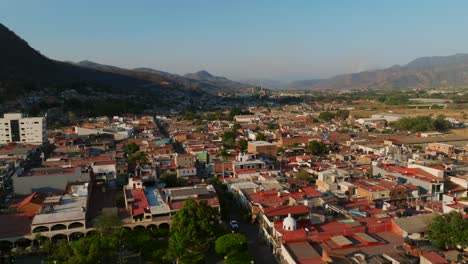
303 175
231 243
109 245
171 180
138 157
239 258
261 136
327 116
449 231
192 230
342 114
317 147
422 123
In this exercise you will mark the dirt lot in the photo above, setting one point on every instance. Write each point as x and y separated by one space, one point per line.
368 108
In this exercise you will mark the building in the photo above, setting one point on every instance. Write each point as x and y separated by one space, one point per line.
16 128
263 148
48 180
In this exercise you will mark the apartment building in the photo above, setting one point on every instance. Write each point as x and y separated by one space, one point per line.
263 148
16 128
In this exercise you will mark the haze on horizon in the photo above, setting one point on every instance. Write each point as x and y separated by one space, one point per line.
282 40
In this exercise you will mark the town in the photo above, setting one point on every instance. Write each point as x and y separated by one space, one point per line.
297 184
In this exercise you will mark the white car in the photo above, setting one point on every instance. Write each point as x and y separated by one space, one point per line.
234 225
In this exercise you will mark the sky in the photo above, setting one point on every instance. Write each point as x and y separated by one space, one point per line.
242 39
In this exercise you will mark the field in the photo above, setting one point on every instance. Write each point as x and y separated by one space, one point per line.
366 109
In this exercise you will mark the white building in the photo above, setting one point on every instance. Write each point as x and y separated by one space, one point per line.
16 128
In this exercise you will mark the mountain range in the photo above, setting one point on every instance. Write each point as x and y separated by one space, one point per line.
425 72
23 69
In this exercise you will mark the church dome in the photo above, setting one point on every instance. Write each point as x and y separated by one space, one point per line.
289 223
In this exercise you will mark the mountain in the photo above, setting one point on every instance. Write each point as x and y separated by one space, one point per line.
297 85
207 78
24 70
265 83
201 80
425 72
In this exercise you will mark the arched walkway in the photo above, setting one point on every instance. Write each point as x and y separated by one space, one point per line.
58 227
164 225
75 236
139 227
23 242
75 225
59 237
39 229
151 226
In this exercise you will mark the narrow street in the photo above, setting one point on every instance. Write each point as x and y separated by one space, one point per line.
257 247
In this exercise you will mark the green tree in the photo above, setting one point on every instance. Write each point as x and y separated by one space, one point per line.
239 258
138 157
273 126
231 243
171 180
317 147
131 148
107 223
303 175
343 114
449 231
326 116
243 144
229 139
440 124
192 229
260 136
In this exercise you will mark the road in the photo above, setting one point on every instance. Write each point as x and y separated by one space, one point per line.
257 247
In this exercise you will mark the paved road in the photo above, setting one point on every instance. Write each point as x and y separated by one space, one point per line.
257 247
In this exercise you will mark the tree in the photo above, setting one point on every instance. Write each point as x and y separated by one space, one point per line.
260 136
243 144
171 180
449 231
273 126
239 258
317 147
303 175
108 222
326 116
343 114
440 123
192 229
138 157
230 243
229 139
131 148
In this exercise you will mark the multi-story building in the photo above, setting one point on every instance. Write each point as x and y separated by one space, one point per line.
263 148
16 128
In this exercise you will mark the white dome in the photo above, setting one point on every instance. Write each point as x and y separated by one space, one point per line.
289 223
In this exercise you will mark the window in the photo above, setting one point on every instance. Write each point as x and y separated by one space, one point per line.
36 122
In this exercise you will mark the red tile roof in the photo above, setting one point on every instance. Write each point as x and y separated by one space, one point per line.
140 202
285 210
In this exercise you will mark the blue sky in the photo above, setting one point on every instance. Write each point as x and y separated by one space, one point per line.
242 39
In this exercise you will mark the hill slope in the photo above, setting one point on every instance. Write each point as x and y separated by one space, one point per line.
201 80
24 70
423 72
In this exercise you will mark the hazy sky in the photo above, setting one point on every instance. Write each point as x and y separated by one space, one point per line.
282 39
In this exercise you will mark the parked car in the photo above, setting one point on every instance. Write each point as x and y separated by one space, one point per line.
234 225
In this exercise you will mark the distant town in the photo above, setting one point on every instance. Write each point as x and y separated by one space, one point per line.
299 183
